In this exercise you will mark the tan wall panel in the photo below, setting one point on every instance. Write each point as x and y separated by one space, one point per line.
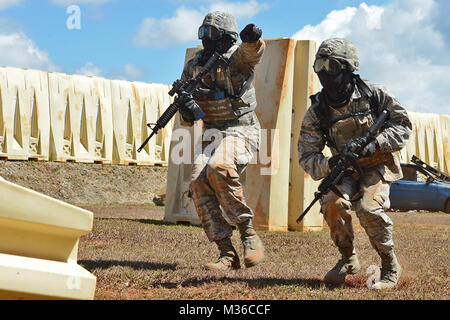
301 185
445 131
267 184
134 105
24 114
81 118
429 140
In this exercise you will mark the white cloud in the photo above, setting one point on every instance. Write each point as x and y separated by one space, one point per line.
4 4
89 69
240 10
399 47
180 28
128 72
183 25
18 50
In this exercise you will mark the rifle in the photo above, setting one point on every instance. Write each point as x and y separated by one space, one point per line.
189 87
438 174
347 160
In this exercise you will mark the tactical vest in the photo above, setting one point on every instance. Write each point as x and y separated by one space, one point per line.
218 100
354 122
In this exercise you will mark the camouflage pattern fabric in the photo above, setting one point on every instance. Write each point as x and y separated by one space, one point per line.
223 21
243 59
215 180
374 184
340 49
393 138
369 210
215 187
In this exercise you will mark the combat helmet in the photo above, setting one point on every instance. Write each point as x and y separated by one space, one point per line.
223 21
340 49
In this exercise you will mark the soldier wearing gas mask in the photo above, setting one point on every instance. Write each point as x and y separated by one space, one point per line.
228 100
340 114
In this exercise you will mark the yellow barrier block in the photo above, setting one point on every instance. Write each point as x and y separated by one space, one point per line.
39 239
29 278
24 114
134 105
81 118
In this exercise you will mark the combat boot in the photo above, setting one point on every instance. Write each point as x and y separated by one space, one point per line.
228 258
391 272
253 246
345 266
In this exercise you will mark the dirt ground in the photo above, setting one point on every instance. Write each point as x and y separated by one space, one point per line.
135 255
81 183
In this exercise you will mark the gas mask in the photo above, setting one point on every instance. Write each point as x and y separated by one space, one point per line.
214 40
336 79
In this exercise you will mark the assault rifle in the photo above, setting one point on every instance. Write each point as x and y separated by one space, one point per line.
188 87
438 174
347 160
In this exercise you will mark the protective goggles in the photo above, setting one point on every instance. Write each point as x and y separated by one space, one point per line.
210 32
330 65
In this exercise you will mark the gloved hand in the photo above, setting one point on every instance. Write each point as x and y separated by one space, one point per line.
187 103
368 151
250 33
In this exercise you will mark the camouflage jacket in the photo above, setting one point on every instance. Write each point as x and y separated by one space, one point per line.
242 58
391 139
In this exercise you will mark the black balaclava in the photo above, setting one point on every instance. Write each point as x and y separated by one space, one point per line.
220 46
338 88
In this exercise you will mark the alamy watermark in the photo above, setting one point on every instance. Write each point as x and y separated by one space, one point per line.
375 273
73 22
230 147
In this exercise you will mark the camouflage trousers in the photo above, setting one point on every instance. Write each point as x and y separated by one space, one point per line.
369 210
215 181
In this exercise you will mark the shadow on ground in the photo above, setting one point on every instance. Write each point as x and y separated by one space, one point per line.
137 265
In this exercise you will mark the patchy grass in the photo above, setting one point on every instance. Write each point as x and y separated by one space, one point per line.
143 258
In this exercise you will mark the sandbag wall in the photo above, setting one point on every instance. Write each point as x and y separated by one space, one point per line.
60 117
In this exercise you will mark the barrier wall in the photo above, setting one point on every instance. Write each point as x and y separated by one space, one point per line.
283 83
24 114
429 140
60 117
134 105
39 239
81 118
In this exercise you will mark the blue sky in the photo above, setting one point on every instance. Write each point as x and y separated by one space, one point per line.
403 44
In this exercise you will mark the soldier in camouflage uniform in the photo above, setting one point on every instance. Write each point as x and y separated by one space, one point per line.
339 115
228 101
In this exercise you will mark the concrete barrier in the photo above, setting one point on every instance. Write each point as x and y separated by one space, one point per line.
39 239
